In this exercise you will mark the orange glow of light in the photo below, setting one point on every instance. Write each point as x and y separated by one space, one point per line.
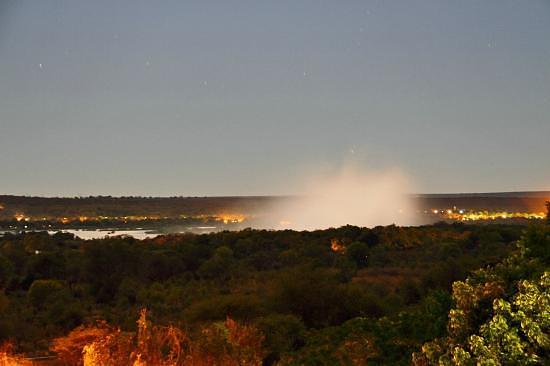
231 218
336 246
19 217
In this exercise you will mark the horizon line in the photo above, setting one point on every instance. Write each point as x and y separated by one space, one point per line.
532 193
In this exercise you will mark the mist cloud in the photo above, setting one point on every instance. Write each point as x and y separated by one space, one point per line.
353 195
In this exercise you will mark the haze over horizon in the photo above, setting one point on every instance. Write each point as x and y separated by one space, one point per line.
245 98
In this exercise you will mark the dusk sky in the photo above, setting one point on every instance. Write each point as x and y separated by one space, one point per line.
204 97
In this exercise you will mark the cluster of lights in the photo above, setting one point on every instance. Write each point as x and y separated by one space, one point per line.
231 219
21 217
462 215
226 218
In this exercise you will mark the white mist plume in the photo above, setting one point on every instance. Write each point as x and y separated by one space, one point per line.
352 196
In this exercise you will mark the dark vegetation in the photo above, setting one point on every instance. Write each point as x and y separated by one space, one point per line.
53 208
337 296
56 208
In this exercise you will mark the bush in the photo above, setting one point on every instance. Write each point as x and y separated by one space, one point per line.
42 292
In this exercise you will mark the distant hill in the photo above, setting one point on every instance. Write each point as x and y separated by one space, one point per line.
175 207
507 201
524 194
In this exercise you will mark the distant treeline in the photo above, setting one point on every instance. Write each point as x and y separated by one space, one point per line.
95 206
175 207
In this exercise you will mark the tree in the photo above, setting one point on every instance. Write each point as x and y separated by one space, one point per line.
220 265
283 334
6 271
42 291
357 252
501 314
518 333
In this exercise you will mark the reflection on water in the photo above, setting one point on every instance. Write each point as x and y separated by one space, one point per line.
140 234
100 234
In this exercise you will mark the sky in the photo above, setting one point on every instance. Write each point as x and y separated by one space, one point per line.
134 97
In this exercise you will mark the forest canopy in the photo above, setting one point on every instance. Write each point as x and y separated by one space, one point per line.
339 296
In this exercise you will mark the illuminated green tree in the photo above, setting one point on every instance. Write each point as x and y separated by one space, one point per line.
502 314
518 333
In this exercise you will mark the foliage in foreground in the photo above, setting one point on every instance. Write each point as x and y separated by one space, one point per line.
501 314
8 358
229 343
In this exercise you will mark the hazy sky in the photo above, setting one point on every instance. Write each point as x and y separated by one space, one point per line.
242 97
